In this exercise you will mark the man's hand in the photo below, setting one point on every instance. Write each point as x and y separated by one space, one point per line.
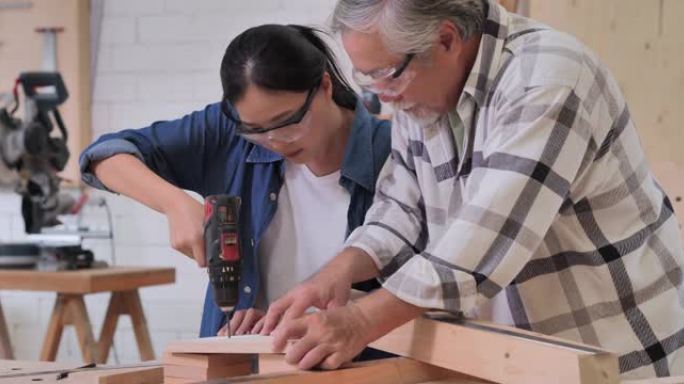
323 291
186 227
333 337
244 322
327 289
327 339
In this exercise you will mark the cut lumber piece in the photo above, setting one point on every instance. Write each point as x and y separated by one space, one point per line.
133 376
205 361
387 371
273 363
500 354
191 368
247 344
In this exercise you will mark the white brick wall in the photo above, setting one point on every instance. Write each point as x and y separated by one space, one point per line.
158 59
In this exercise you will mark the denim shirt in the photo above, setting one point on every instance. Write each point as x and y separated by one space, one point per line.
202 153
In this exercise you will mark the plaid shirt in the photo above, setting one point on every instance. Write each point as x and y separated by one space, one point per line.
550 220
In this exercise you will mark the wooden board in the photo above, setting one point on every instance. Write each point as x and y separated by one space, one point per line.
144 375
86 280
500 354
246 344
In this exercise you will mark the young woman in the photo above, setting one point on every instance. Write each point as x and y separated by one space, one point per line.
290 137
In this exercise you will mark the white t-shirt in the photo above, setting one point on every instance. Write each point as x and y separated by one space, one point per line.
292 250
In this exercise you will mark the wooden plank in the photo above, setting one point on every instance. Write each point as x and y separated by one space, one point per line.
132 376
86 280
142 375
386 371
5 345
246 344
500 354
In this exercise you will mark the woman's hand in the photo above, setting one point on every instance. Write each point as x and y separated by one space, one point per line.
186 227
244 322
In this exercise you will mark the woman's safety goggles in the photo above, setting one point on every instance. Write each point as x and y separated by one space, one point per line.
288 131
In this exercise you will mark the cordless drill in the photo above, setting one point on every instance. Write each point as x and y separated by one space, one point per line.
223 249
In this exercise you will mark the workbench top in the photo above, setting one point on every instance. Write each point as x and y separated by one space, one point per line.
110 279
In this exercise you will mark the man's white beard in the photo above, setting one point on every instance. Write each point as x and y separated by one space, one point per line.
421 115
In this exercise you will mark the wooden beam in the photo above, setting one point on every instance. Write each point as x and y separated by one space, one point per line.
386 371
500 354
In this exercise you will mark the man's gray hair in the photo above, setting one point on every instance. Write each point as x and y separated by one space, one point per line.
408 26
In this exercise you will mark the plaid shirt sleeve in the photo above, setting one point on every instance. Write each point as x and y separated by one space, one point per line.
540 143
394 224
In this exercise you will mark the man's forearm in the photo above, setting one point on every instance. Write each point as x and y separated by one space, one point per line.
383 312
127 175
353 264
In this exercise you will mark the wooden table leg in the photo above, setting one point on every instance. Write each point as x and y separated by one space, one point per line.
133 307
78 316
5 345
54 331
69 310
125 303
114 310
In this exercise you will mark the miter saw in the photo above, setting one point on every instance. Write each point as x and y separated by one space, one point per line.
31 149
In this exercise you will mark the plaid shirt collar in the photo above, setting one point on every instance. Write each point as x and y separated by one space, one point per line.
487 63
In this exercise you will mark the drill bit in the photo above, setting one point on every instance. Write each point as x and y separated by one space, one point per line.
229 317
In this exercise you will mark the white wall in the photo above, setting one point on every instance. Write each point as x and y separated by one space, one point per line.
157 59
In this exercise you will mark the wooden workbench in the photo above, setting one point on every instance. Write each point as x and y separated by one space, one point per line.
70 309
29 372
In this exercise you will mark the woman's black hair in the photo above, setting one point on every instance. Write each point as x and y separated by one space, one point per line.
284 58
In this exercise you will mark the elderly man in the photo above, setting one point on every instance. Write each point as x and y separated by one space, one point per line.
517 191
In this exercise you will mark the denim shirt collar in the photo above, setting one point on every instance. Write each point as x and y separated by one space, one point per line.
359 147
